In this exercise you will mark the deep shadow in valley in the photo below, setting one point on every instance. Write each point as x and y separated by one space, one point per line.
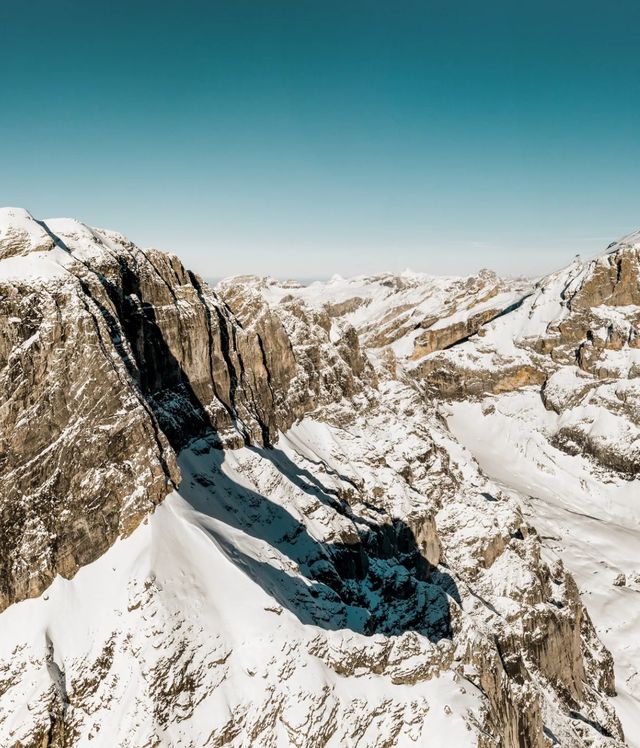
379 582
375 581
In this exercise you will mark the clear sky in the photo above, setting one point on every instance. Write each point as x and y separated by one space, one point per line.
302 138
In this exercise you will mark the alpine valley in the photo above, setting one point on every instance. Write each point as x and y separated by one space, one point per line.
394 510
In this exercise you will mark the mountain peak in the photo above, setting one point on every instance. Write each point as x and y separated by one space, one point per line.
21 234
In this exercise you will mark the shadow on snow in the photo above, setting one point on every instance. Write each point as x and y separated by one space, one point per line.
378 582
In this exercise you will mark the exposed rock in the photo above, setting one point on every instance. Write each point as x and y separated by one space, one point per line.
455 382
612 279
102 371
78 443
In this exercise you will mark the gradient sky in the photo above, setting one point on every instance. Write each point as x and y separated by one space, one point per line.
300 138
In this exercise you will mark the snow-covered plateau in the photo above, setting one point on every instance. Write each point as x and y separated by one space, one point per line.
393 510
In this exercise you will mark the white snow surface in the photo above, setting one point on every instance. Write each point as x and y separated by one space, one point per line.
37 266
183 589
591 521
36 251
589 517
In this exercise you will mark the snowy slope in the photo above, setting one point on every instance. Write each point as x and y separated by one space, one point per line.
591 521
169 601
183 626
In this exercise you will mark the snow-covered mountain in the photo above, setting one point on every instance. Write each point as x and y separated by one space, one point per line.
372 512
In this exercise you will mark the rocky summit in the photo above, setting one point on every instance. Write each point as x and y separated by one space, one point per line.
393 510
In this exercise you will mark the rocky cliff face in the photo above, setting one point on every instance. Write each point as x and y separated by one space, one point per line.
111 359
326 565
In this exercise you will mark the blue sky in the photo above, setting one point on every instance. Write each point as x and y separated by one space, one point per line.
301 138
